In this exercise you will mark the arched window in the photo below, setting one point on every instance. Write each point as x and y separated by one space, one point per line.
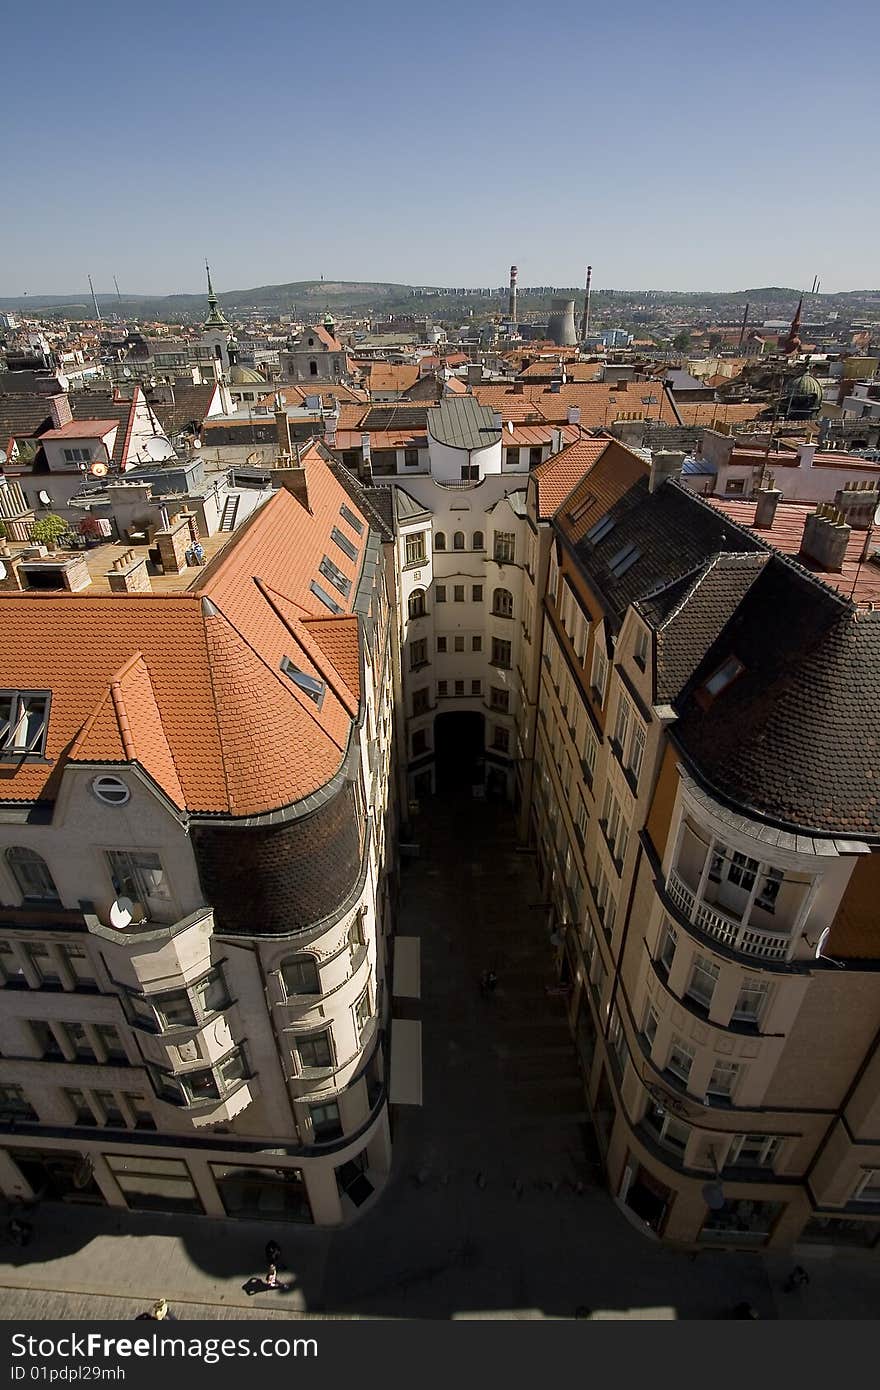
479 543
311 342
458 541
313 368
440 540
417 603
32 875
299 975
502 603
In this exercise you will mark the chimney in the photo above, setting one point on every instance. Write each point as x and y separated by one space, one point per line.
765 512
366 459
295 480
825 537
858 503
497 420
806 453
282 428
574 414
59 408
664 464
519 388
554 387
474 372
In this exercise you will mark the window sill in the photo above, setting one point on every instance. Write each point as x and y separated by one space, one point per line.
420 666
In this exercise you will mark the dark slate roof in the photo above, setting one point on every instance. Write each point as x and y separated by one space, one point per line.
369 499
23 417
408 508
794 737
190 406
698 609
462 423
102 405
674 534
382 502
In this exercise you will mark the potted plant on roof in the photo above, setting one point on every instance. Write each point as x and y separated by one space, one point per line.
48 530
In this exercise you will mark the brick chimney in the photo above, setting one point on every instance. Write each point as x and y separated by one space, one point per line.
825 537
769 498
858 502
59 408
664 464
295 480
282 429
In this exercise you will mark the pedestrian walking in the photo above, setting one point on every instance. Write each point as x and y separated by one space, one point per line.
272 1278
798 1279
273 1253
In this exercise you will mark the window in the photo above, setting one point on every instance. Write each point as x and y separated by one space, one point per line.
670 1132
81 1109
138 874
299 975
111 790
704 977
411 458
14 1102
723 1079
470 473
458 540
624 559
321 593
504 547
726 673
363 1013
111 1042
458 593
680 1060
440 593
476 687
31 873
421 701
440 540
478 543
442 688
599 530
649 1030
335 575
326 1123
617 1040
416 603
867 1187
44 965
76 455
459 687
476 593
415 549
751 1000
140 1110
13 976
502 603
356 938
754 1150
621 727
599 677
590 753
641 648
418 654
154 1184
441 644
535 456
315 1050
501 739
109 1106
345 545
605 904
174 1009
354 522
46 1041
210 993
458 642
636 752
476 643
501 653
581 822
311 686
419 743
615 827
735 485
742 870
499 699
769 890
511 458
668 940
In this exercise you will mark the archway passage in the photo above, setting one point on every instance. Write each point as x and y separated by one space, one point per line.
459 740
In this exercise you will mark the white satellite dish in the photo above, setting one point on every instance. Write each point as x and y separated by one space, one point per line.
157 449
2 570
43 497
876 521
126 371
121 913
510 426
820 944
197 444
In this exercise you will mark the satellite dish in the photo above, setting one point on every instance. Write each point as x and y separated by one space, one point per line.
98 470
43 497
157 449
2 570
713 1195
121 913
126 371
197 444
820 944
83 1173
876 521
510 426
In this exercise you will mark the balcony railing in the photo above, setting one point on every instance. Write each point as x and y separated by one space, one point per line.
750 941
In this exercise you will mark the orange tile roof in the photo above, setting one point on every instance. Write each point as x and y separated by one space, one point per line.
81 429
567 480
859 581
295 395
323 336
529 435
454 386
393 376
600 403
189 686
713 413
383 439
575 371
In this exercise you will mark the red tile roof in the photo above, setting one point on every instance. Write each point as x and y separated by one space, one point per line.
594 471
600 403
81 429
393 376
189 686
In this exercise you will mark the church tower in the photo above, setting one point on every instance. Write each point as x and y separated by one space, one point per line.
215 330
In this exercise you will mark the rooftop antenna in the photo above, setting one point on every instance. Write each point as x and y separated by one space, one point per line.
95 301
585 316
116 283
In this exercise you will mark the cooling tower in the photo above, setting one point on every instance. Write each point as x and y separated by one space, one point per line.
561 329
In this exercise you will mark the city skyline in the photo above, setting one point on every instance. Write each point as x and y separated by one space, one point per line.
405 146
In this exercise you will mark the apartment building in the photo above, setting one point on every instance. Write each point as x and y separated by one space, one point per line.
197 830
706 826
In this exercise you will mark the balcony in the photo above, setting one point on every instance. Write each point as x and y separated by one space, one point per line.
749 941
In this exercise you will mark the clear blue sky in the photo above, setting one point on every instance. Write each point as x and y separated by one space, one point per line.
675 145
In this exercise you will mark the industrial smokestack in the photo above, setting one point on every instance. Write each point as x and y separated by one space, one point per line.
585 316
95 301
561 329
742 331
511 303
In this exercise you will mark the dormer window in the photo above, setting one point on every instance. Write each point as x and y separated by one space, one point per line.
309 685
24 720
724 676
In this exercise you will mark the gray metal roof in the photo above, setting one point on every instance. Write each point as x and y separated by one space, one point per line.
462 423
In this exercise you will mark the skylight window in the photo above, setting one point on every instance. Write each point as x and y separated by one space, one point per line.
345 545
726 673
623 559
348 515
335 575
325 598
309 685
601 529
24 720
582 508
